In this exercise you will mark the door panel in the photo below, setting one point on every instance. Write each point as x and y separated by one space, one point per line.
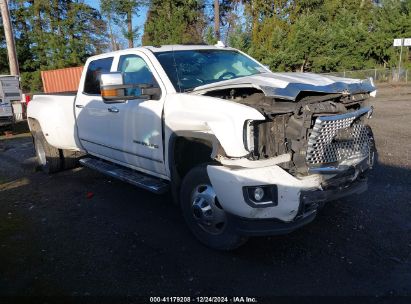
92 114
93 121
136 128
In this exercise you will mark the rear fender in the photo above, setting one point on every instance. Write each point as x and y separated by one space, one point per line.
55 115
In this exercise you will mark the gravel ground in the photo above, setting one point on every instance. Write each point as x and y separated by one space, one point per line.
81 233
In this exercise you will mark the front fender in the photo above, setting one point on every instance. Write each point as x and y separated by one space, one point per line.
225 119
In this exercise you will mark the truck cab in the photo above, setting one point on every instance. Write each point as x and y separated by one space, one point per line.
242 150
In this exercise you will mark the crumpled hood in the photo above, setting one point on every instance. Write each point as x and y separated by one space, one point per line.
289 85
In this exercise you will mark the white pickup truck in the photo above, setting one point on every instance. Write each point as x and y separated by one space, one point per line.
243 151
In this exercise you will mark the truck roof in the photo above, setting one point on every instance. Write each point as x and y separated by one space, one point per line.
183 47
166 48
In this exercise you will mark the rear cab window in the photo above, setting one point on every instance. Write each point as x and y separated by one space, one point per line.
94 70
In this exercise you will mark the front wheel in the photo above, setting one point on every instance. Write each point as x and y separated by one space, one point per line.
203 213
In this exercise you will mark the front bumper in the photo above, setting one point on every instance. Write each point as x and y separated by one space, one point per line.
310 202
228 184
264 227
297 200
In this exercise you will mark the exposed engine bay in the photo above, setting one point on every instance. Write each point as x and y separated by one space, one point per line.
319 130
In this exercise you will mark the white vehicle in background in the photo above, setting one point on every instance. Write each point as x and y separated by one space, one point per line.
244 151
9 92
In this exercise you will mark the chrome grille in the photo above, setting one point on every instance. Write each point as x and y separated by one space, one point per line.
338 138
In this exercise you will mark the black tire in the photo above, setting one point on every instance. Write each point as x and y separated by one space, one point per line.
217 236
48 157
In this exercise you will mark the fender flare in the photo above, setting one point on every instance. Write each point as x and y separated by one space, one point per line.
174 176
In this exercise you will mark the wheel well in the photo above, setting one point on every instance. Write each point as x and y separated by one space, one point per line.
190 152
34 124
67 159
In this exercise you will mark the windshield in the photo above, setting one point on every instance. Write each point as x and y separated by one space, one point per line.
193 68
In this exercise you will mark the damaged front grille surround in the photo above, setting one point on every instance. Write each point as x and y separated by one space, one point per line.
322 133
339 139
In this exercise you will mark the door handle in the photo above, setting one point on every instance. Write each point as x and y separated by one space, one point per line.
79 106
113 110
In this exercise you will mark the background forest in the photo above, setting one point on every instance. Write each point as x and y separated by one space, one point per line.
287 35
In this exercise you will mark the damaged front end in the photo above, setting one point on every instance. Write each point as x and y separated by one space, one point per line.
317 133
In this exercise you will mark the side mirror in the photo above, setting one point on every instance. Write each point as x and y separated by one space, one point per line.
113 88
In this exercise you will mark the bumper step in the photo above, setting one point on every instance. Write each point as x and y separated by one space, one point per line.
130 176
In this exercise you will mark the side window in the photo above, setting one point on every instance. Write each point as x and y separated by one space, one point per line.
94 70
135 70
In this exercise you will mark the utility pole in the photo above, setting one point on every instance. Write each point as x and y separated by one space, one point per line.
8 33
217 19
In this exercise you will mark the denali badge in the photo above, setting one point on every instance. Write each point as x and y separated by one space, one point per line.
146 144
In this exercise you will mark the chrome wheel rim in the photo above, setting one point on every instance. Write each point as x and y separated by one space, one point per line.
207 211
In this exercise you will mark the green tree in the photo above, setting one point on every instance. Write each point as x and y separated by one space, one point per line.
239 38
174 21
319 35
86 31
228 19
209 36
391 20
122 12
54 34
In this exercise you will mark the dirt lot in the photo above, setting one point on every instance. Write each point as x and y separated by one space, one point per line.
56 240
